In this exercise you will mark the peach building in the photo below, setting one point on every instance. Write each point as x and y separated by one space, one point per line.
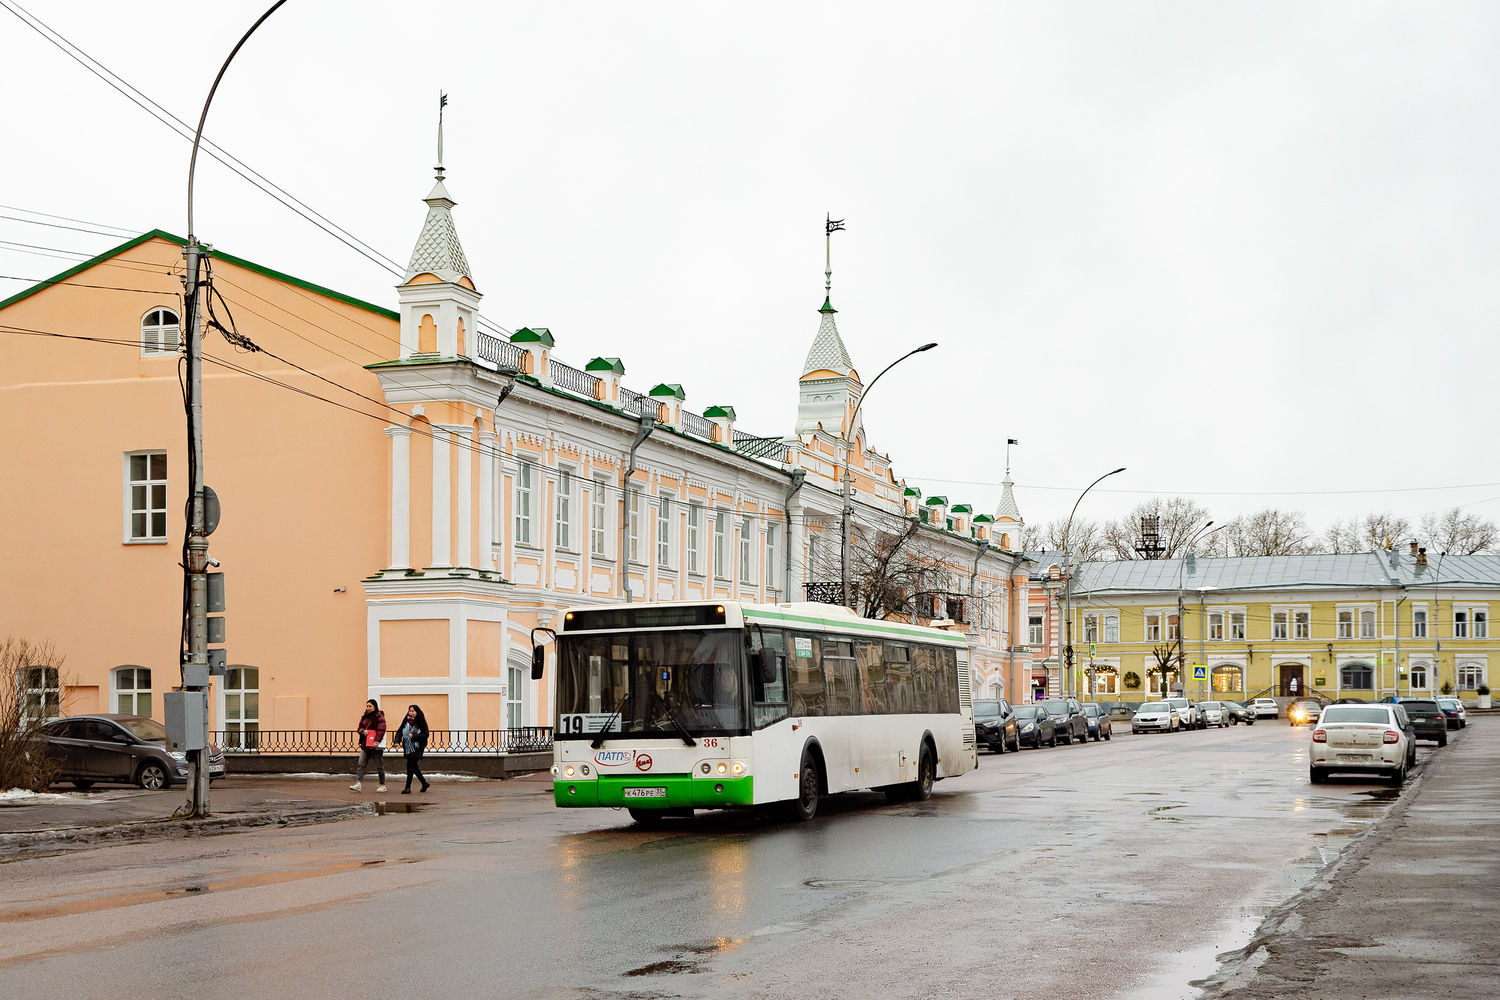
406 495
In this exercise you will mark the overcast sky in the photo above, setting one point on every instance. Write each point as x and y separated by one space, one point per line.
1246 250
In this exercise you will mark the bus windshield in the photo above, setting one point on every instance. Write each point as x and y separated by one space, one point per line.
652 684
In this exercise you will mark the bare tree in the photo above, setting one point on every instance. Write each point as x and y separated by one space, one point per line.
1268 532
1342 537
30 692
1177 519
1166 656
1459 533
1382 527
1086 545
896 571
1033 537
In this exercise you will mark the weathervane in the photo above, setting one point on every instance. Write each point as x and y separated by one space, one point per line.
1008 443
830 226
442 103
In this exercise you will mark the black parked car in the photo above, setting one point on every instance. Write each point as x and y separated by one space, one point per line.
1098 720
995 725
1067 716
1428 719
1036 726
1239 713
123 748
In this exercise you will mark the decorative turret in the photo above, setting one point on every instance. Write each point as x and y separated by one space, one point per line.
829 388
1008 511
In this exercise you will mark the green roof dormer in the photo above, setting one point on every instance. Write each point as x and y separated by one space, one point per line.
603 365
985 518
962 508
527 335
667 389
935 501
911 491
723 412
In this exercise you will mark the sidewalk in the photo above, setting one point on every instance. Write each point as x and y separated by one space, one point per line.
1410 911
68 820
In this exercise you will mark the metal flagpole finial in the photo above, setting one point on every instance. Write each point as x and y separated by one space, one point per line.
1008 443
442 103
830 226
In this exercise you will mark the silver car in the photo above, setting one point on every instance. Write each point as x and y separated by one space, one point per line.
1214 713
1361 739
1187 712
1155 717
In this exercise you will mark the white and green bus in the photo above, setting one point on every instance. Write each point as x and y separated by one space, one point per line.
667 708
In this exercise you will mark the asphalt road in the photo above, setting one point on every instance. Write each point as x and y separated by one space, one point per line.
1117 869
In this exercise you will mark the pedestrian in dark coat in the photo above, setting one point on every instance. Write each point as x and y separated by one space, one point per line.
413 737
371 745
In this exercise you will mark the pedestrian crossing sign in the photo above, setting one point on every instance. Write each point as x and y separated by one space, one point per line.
1200 672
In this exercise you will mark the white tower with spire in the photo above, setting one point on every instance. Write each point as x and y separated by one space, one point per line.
829 388
439 303
1008 520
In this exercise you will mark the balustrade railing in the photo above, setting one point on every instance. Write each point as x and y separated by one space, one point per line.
501 352
825 592
634 402
773 448
697 425
573 380
526 739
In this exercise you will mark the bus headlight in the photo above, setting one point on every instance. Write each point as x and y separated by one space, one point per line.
568 770
738 767
722 768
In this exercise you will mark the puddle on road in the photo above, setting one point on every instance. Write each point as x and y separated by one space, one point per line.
686 957
382 808
842 883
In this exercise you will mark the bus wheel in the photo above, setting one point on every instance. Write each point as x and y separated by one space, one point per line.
921 789
808 791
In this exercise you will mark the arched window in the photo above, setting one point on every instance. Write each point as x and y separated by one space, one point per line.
1359 676
1419 675
161 332
1470 676
1228 679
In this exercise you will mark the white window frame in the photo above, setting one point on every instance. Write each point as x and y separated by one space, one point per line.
1419 625
1367 623
245 722
1344 623
664 553
1216 626
1174 627
747 551
1412 669
48 695
1301 624
769 563
1034 629
722 569
1112 628
562 510
1475 621
599 517
153 333
515 697
1237 625
133 690
1280 624
1474 670
523 507
1153 626
150 511
695 539
633 524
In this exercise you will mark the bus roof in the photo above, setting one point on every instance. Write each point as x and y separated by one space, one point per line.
823 617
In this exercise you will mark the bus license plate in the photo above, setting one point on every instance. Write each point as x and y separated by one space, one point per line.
645 793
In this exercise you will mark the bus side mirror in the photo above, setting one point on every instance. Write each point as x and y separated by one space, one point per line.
538 662
766 662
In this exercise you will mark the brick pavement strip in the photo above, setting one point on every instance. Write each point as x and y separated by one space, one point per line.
1408 911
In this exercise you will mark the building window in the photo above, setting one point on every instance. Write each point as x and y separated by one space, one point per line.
664 530
1470 676
146 495
1471 623
770 555
1111 628
1034 629
747 551
1302 625
133 691
1367 624
1173 628
241 706
598 520
1481 622
1359 676
161 333
1236 625
1346 624
634 529
695 539
523 503
1419 676
1153 627
721 550
1216 625
1228 679
564 510
1419 624
814 564
41 694
513 691
1090 628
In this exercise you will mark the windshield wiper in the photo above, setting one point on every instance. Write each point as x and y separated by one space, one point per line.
614 713
687 737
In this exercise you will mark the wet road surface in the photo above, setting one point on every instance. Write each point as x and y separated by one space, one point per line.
1115 869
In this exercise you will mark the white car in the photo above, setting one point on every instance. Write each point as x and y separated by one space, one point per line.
1215 713
1154 717
1266 708
1187 712
1360 739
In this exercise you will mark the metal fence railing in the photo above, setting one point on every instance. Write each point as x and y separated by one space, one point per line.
573 380
501 352
526 739
773 448
697 425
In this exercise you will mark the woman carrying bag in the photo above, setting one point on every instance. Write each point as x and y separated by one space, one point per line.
413 737
371 745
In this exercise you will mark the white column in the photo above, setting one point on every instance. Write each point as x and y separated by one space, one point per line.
464 439
489 446
400 496
441 488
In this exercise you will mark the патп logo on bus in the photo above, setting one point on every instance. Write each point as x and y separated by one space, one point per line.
614 758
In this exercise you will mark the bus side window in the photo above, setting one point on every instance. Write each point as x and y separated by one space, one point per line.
924 678
900 699
770 699
838 670
871 660
949 680
809 696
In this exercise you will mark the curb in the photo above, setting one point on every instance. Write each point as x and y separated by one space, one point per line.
16 846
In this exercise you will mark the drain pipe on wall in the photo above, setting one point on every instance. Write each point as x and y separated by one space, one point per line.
641 433
798 476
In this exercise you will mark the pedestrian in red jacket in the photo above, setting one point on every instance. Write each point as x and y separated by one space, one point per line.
371 745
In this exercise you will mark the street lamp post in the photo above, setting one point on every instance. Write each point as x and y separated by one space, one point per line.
1067 657
847 508
1181 566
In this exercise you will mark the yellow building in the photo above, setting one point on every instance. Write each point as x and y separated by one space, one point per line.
1362 625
